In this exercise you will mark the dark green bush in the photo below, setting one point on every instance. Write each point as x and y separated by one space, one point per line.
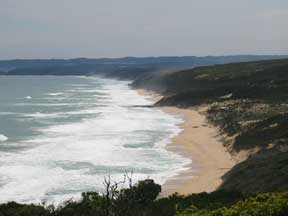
140 200
15 209
267 204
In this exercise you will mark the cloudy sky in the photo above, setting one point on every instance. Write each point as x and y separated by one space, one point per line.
116 28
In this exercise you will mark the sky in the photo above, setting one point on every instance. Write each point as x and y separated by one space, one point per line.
118 28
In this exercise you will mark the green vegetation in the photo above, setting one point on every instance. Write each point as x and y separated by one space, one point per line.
15 209
249 80
141 200
267 204
248 102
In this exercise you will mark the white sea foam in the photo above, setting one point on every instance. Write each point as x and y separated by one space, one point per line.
28 97
43 115
60 114
69 158
55 94
3 138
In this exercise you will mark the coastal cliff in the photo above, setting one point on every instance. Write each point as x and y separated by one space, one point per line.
248 103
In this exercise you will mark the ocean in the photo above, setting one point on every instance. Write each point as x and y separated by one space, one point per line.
59 136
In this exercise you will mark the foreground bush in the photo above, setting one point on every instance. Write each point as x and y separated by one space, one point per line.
267 204
15 209
141 200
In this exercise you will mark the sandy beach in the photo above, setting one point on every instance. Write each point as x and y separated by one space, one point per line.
200 142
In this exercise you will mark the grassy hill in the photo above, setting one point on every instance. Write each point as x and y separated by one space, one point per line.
248 102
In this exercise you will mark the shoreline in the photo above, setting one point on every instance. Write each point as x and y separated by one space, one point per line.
200 142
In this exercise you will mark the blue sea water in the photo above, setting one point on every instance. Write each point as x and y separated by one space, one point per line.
59 136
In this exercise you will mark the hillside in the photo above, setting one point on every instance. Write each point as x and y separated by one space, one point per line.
124 68
248 102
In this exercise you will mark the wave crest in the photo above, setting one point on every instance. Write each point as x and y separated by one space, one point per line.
3 138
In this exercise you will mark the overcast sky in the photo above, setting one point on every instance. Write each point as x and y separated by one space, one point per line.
117 28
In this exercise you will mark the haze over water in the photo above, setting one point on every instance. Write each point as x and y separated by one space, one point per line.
59 136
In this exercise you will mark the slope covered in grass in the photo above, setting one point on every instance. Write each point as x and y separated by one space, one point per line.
248 102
